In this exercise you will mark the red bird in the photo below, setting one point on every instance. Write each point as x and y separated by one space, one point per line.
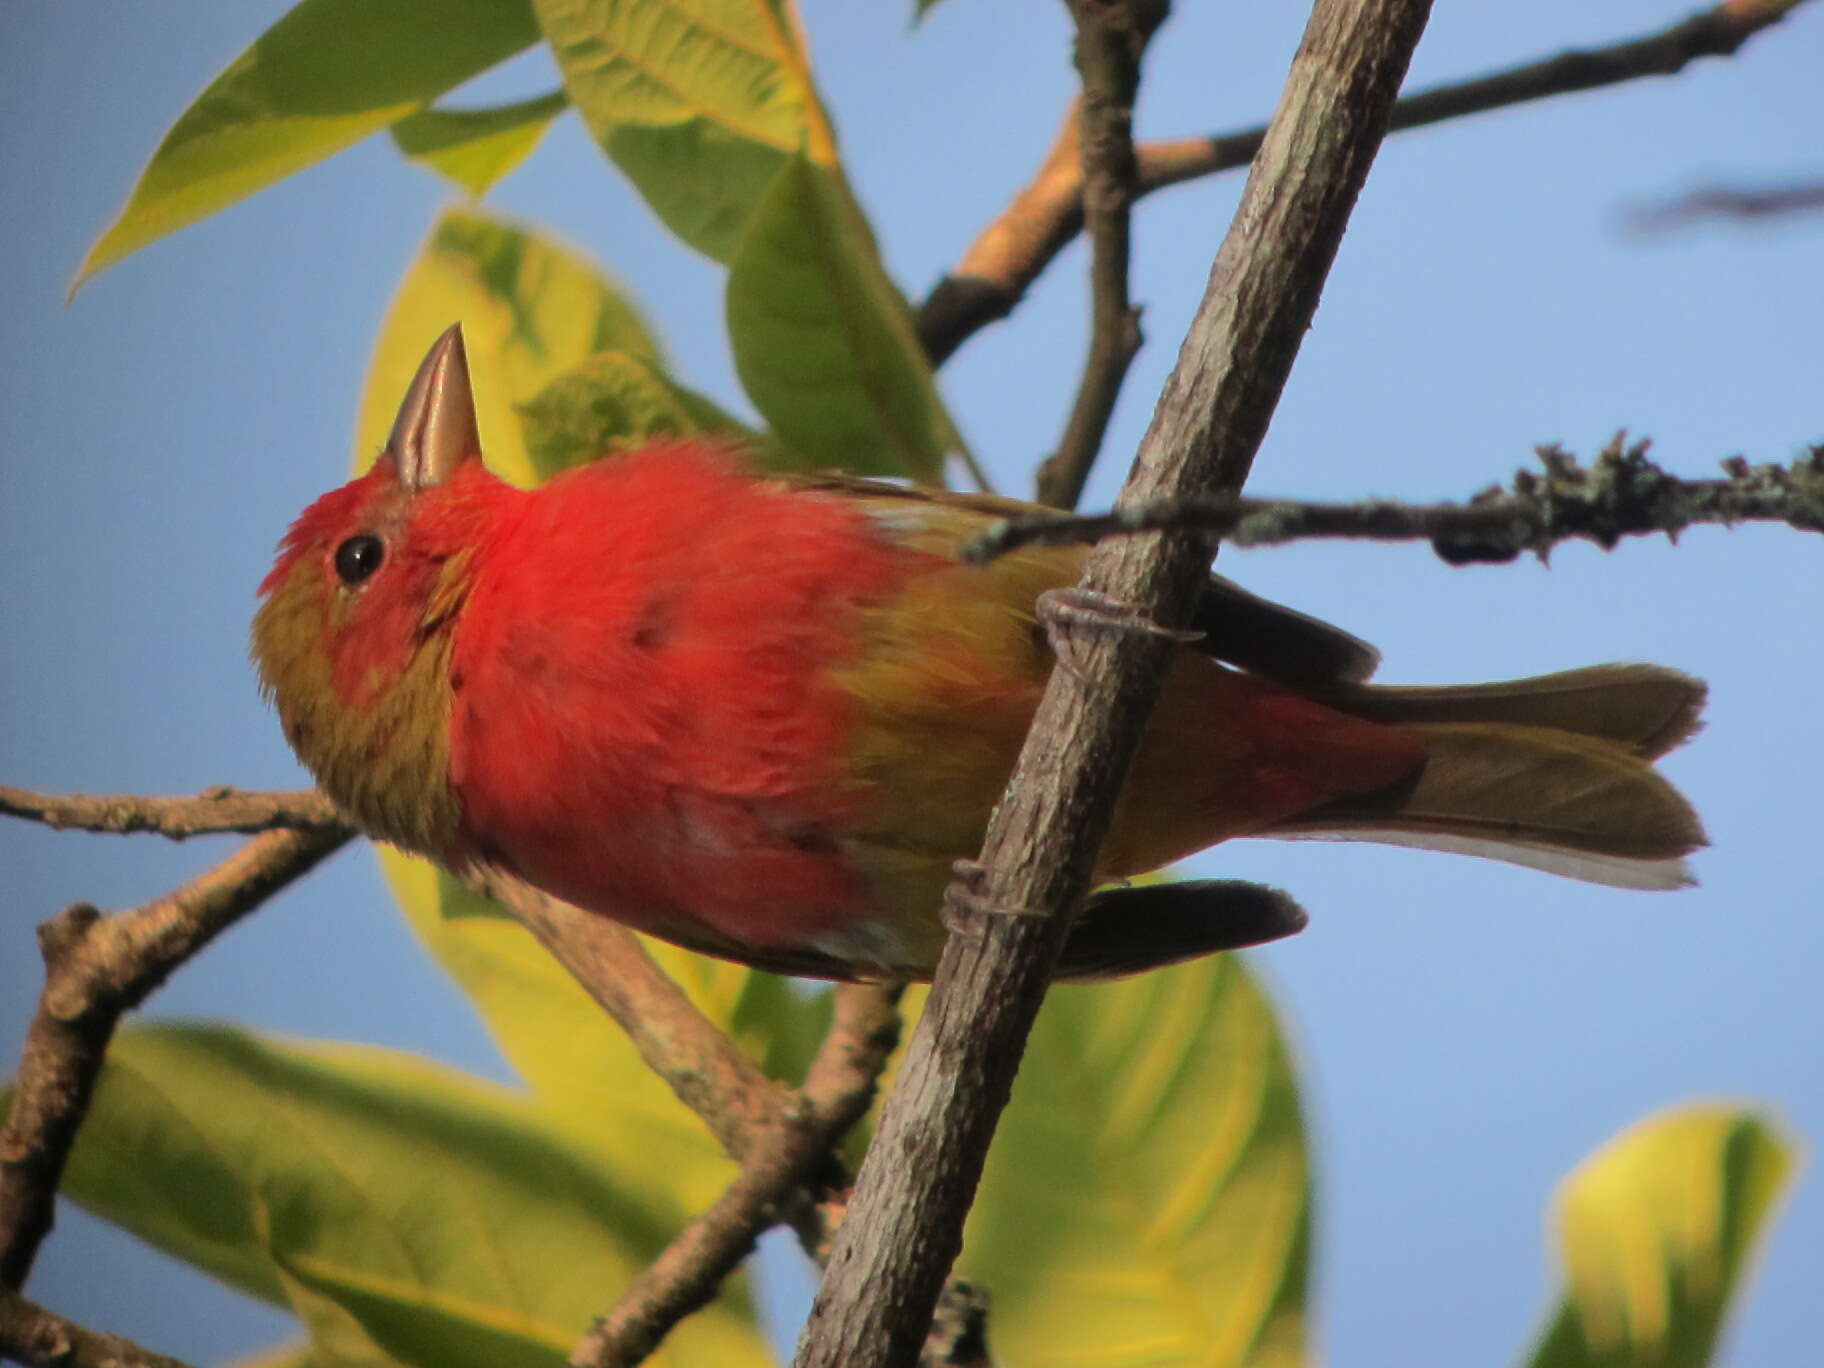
761 716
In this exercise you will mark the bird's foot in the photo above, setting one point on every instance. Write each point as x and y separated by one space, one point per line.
1070 615
966 905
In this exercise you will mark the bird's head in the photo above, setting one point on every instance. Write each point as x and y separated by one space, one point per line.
353 634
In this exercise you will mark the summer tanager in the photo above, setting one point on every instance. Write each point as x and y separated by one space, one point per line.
762 716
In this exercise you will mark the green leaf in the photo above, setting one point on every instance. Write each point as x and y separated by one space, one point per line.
1146 1200
324 77
476 147
408 1213
709 108
291 1354
530 311
823 341
700 102
1656 1229
611 402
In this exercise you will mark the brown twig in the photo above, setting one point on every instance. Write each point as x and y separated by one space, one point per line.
914 1188
214 812
1111 39
1621 494
96 968
781 1160
706 1070
993 276
1727 202
31 1335
905 1221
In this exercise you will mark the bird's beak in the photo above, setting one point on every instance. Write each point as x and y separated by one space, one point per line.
435 431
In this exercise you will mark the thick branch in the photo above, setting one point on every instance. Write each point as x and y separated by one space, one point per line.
905 1223
1111 38
1001 264
31 1335
96 968
1622 494
780 1160
214 812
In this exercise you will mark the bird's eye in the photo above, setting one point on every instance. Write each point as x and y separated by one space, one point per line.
359 557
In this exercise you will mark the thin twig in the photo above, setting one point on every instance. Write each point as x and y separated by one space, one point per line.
38 1338
707 1071
993 276
783 1158
1621 494
213 812
97 968
1111 38
1727 202
905 1221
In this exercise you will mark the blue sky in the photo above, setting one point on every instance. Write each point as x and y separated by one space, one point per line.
1467 1032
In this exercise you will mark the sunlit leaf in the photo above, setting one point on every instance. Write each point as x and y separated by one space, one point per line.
408 1213
1146 1200
1656 1229
613 401
823 342
325 76
709 108
288 1355
530 311
700 102
476 147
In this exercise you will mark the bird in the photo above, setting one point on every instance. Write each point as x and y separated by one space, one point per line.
764 716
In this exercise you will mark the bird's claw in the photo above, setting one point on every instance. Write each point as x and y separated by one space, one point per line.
1068 614
966 906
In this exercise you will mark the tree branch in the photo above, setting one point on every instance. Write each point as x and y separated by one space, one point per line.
785 1157
97 968
1001 264
905 1222
1739 203
214 812
1622 494
707 1071
1111 38
31 1335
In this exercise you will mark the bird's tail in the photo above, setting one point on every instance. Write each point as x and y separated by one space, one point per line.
1554 772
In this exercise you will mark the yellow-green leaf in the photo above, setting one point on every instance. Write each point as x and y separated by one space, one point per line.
822 339
530 311
710 109
700 102
614 401
325 76
291 1354
1146 1200
476 147
1656 1229
410 1214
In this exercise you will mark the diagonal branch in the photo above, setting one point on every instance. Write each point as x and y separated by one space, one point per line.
31 1335
783 1158
97 968
1621 494
1002 263
905 1222
1111 38
213 812
707 1071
